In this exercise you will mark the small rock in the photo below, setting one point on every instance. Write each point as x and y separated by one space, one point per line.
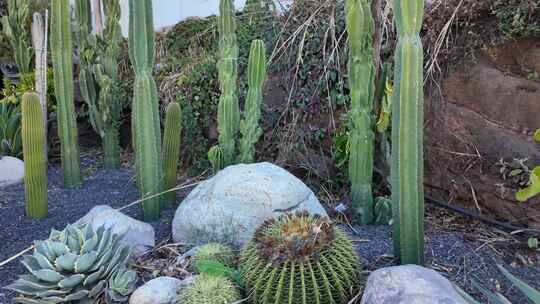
11 171
228 207
409 284
162 290
136 233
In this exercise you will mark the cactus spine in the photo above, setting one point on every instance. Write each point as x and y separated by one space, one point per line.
39 40
14 25
145 116
171 149
228 110
35 164
249 126
361 81
61 48
407 135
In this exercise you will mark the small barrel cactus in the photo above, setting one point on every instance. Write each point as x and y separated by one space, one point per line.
209 289
215 252
78 264
299 259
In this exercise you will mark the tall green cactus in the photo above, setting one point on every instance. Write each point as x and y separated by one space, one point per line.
362 85
145 112
61 48
171 149
15 28
35 163
249 126
228 109
40 30
98 75
407 135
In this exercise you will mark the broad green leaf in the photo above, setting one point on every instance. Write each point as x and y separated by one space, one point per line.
537 135
531 191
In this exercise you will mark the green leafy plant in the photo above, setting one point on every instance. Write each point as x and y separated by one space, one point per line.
249 126
362 85
228 109
78 264
300 258
496 298
61 49
15 26
10 130
534 181
209 289
35 163
407 135
146 124
120 286
171 149
383 211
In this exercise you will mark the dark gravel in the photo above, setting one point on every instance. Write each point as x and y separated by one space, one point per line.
115 188
448 252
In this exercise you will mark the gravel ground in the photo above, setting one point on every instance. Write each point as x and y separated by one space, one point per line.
116 188
449 252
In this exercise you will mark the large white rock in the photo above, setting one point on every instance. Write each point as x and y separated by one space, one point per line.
162 290
138 234
11 171
409 284
228 207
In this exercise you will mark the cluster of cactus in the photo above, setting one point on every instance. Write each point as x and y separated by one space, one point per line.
98 75
79 264
361 82
61 49
249 126
39 40
14 25
300 258
228 109
35 163
145 110
208 289
171 149
407 135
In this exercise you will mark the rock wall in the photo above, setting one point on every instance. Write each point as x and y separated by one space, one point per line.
486 110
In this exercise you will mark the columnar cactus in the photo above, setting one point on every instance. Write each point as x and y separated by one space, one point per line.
171 149
249 126
14 25
39 40
145 112
35 163
407 135
228 109
61 48
361 82
98 75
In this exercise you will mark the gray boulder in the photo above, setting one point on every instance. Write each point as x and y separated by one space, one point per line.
228 207
162 290
409 284
11 171
138 234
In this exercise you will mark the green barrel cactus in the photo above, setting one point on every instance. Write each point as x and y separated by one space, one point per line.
362 84
228 109
145 110
407 135
171 149
214 252
300 259
14 26
75 265
209 289
61 49
249 126
35 163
